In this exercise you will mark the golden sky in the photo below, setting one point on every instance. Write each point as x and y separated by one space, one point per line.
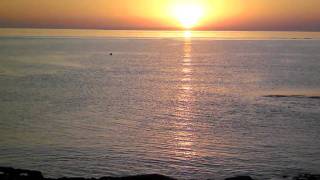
163 14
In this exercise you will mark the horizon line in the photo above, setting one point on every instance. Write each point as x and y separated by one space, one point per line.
163 29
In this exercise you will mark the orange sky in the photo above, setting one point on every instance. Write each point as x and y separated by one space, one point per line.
157 14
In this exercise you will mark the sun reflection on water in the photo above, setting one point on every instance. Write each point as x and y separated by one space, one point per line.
186 70
187 34
184 135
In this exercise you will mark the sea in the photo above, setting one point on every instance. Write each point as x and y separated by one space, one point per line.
186 104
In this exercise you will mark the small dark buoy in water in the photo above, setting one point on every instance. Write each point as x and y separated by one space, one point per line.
110 54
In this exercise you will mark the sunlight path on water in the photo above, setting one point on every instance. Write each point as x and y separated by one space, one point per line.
184 135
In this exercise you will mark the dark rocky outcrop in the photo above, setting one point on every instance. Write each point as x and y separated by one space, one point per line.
7 173
307 177
240 178
139 177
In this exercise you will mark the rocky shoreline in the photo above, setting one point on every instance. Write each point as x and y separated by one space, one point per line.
8 173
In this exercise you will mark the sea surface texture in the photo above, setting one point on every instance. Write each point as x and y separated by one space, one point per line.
190 108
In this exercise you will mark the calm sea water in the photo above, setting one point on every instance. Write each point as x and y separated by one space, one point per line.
185 106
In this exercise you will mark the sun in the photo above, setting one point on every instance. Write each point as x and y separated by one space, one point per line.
188 15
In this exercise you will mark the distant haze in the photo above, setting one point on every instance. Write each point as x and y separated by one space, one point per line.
155 14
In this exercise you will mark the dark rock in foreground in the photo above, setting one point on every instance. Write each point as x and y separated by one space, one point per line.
7 173
138 177
240 178
307 177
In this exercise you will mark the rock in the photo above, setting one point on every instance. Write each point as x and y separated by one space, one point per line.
72 179
307 177
7 173
140 177
240 178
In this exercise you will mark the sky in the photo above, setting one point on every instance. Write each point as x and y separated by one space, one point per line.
163 14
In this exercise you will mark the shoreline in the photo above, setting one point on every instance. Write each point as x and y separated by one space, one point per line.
9 173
